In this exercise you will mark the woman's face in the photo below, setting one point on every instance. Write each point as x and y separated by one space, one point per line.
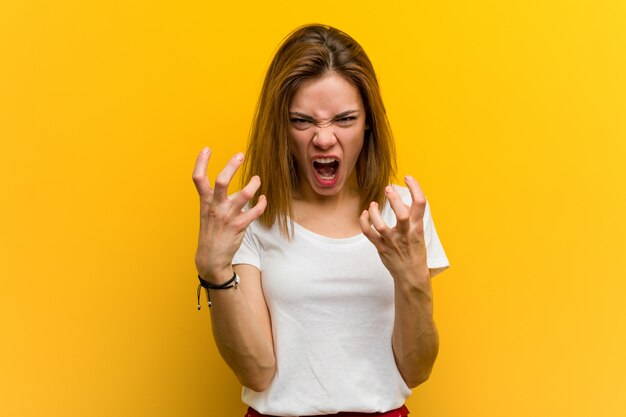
327 125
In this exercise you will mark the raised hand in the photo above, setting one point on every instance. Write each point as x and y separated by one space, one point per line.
222 221
402 248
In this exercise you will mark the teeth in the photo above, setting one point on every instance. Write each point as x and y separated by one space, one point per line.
325 160
327 178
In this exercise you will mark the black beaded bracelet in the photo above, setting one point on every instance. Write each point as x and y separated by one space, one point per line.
233 282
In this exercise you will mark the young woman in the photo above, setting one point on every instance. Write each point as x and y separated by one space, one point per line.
318 271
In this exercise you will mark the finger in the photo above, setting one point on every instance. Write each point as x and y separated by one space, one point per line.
377 220
366 228
253 213
399 208
199 173
419 199
223 178
246 193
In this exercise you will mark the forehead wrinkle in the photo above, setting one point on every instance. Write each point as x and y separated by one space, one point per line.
344 113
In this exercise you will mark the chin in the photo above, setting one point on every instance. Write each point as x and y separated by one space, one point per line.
327 190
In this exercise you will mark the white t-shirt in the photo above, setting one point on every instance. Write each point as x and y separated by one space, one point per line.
331 303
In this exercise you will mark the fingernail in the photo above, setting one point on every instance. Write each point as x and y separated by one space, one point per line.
240 156
388 189
205 149
408 178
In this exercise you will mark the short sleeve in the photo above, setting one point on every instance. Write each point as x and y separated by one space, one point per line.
248 253
436 256
437 259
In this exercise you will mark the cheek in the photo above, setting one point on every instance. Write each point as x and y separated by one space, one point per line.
355 143
298 145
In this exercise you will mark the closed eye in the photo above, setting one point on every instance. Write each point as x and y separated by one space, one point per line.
344 121
300 123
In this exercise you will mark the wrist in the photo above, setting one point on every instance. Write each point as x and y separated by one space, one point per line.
414 280
217 276
233 282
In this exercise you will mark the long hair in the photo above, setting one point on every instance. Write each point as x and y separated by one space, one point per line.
309 53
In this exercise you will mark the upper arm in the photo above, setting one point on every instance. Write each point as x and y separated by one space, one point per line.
252 289
436 271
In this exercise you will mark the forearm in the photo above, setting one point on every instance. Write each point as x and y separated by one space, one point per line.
241 339
241 323
415 339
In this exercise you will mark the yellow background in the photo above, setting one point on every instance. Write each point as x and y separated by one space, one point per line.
511 114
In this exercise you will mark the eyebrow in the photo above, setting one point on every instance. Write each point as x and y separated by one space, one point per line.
337 116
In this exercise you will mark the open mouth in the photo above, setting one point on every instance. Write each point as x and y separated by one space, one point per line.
326 168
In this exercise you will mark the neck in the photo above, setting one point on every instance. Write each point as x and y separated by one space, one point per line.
334 216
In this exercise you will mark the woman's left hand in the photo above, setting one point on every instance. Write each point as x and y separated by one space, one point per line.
402 248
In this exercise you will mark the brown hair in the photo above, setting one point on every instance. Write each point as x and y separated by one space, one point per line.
309 53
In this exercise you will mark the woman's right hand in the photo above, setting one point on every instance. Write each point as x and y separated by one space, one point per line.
222 221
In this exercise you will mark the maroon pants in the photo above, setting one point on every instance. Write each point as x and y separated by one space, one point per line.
398 412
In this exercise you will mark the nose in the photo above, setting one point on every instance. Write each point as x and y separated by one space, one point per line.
324 137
